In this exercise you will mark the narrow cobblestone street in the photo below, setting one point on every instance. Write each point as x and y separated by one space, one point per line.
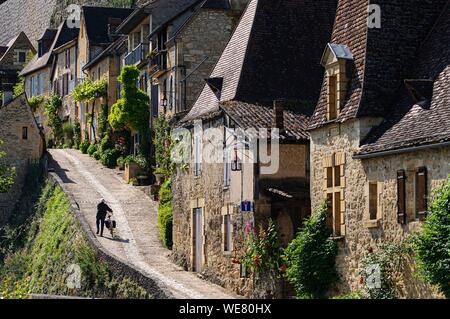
136 215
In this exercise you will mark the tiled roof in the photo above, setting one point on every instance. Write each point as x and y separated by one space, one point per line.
274 53
382 56
411 124
96 20
259 116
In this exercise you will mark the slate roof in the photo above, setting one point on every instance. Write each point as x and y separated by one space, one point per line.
257 116
274 53
382 56
411 124
63 35
96 20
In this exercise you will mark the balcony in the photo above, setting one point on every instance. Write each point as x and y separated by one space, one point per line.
138 55
158 63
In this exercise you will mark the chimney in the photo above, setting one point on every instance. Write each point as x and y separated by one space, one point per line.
278 109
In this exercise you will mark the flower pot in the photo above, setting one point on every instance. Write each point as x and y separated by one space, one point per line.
160 177
131 171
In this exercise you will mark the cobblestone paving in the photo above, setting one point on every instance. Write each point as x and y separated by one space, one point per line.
136 215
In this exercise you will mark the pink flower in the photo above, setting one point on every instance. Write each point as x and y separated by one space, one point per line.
248 228
370 249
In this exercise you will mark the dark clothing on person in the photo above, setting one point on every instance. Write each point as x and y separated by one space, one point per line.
102 211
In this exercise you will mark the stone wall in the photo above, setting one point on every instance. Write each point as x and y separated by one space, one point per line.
359 235
19 152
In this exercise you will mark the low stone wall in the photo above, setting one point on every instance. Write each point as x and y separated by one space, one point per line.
117 266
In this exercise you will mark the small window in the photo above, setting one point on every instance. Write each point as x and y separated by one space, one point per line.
421 193
373 200
329 177
24 133
227 236
337 176
226 167
22 57
332 93
197 156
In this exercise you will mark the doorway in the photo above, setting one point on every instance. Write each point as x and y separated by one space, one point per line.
198 239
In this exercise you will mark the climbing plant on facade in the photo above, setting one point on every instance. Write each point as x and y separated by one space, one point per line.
132 110
88 90
52 108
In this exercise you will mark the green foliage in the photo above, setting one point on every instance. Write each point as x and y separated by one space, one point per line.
262 249
132 110
36 102
84 146
351 295
92 149
432 244
103 121
7 173
311 258
55 241
87 91
165 214
52 107
76 134
19 87
109 157
388 259
106 144
68 133
163 146
96 155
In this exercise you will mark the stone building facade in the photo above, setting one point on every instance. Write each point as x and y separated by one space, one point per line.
23 142
238 191
379 132
13 57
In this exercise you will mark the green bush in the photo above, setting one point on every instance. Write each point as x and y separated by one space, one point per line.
120 162
84 146
92 149
76 134
109 158
311 258
165 214
96 155
106 144
432 244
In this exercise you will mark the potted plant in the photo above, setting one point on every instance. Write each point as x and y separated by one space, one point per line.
160 175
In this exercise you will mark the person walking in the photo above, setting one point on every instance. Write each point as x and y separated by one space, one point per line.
102 211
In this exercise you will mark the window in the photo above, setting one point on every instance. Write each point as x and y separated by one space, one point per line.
226 167
401 197
421 193
24 133
334 184
236 164
197 155
373 200
171 93
67 58
22 57
227 230
332 98
32 86
39 84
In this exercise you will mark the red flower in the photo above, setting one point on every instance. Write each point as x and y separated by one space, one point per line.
361 280
283 268
235 261
257 260
370 249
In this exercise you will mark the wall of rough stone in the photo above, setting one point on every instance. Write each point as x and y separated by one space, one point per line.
13 117
358 237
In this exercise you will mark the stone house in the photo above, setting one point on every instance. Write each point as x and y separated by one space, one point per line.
380 131
13 57
38 73
214 201
23 143
64 73
97 34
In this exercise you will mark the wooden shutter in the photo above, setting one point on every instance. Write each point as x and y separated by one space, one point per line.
401 197
421 192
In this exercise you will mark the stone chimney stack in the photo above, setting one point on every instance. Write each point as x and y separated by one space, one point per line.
278 109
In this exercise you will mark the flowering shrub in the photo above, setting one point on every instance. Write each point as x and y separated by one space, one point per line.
262 248
88 90
380 268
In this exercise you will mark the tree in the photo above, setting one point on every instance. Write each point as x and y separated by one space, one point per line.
7 173
432 244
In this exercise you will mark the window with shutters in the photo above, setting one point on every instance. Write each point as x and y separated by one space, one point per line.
421 193
197 155
334 184
401 197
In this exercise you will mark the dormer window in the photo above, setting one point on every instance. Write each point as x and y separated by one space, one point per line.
335 60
